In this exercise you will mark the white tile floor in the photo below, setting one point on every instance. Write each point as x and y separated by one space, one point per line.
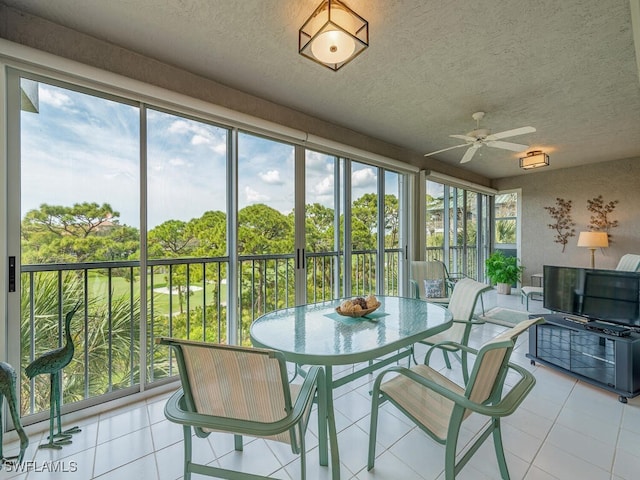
565 430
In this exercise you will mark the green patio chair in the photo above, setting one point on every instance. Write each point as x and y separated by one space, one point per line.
462 305
241 391
430 281
439 406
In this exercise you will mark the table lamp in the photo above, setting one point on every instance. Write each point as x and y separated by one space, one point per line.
593 240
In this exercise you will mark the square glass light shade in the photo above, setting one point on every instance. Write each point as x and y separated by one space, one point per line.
534 159
333 35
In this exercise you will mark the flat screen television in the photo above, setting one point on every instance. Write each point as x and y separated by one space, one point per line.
607 295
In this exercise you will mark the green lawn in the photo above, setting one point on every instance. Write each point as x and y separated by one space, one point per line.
98 288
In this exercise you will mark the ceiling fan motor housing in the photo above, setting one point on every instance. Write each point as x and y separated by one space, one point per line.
479 133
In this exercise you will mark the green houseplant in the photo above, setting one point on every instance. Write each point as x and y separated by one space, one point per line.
503 271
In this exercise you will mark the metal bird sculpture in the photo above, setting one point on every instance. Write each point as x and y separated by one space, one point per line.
52 362
8 390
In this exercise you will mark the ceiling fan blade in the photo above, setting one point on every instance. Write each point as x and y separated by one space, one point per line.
470 153
444 150
515 147
510 133
466 138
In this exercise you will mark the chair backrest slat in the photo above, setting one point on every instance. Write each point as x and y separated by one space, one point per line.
464 298
629 262
490 368
235 384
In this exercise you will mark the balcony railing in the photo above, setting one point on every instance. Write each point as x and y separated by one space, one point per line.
461 259
185 298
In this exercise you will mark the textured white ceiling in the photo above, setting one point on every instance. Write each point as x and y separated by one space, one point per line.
566 67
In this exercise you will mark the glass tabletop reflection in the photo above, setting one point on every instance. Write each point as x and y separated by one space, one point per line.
317 334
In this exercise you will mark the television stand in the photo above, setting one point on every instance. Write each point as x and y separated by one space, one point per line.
602 354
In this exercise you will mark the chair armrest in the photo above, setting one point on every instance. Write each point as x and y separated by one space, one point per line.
506 406
448 343
308 390
518 392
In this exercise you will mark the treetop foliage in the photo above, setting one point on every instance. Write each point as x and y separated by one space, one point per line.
88 232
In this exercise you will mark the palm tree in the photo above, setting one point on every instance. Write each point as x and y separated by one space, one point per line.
105 335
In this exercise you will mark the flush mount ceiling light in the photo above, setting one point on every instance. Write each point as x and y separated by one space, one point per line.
534 159
333 35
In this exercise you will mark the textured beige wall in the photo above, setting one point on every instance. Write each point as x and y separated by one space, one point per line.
35 32
616 180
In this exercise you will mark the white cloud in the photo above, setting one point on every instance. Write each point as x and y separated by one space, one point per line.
200 140
324 187
201 134
318 162
253 196
179 126
53 97
363 178
272 177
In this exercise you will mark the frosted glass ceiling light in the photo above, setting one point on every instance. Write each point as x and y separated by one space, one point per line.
333 35
534 159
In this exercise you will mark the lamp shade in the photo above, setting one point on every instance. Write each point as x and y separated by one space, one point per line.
534 159
333 35
593 239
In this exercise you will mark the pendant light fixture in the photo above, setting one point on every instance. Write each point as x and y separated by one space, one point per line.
333 35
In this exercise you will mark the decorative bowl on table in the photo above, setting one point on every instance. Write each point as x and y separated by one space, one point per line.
358 307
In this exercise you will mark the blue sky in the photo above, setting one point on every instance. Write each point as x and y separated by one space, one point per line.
82 148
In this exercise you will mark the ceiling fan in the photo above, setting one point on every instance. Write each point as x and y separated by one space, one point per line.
483 136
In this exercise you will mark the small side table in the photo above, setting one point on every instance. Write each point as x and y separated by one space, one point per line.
536 279
529 293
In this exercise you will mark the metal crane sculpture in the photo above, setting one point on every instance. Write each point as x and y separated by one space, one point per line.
8 390
52 362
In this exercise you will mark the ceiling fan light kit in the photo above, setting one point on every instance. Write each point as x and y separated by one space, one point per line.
482 136
534 159
333 35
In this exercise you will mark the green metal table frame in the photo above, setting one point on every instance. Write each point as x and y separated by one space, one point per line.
315 335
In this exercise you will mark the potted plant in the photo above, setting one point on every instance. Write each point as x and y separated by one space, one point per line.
503 271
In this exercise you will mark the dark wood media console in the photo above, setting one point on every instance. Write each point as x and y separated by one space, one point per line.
591 351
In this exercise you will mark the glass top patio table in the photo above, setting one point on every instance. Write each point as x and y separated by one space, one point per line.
316 334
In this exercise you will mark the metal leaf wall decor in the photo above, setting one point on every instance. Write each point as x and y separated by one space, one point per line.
564 224
600 215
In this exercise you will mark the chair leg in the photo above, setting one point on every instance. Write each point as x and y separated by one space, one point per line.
303 458
446 359
497 442
237 441
186 430
373 428
465 368
450 457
